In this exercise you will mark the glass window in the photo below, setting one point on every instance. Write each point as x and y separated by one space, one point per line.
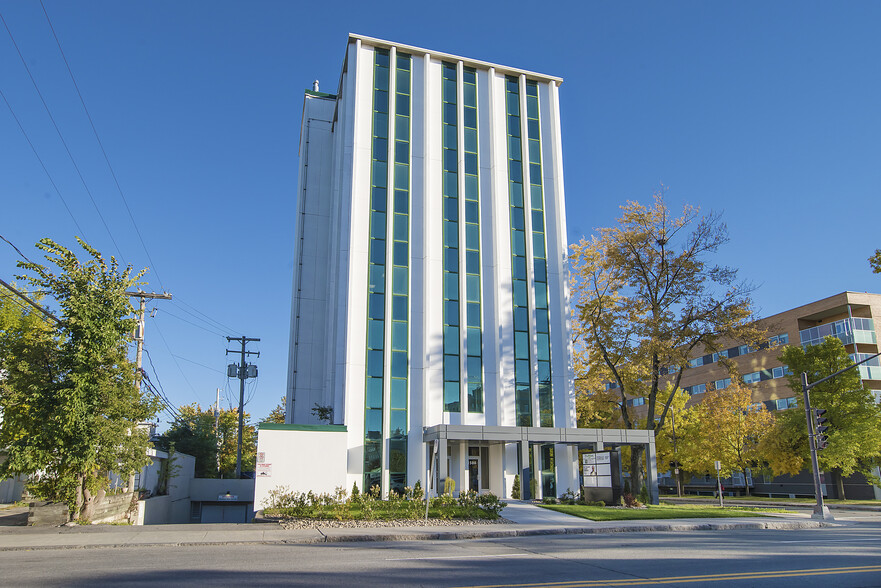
380 148
469 118
451 396
451 234
401 229
521 317
451 286
376 279
374 363
544 347
374 393
519 268
521 371
451 209
380 100
540 269
541 320
398 396
380 124
399 336
402 153
451 138
375 334
474 369
541 295
380 173
402 104
451 312
544 371
471 212
402 128
451 368
471 140
472 288
399 275
400 252
397 425
451 161
471 191
515 171
376 306
472 262
449 87
451 340
451 259
399 308
450 114
399 364
535 195
521 345
473 341
472 236
538 243
470 163
473 314
475 397
520 298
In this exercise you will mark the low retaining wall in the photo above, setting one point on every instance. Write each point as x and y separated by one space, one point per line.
114 507
47 514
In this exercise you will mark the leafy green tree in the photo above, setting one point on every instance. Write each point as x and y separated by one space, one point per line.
875 261
854 418
195 435
70 403
278 413
647 298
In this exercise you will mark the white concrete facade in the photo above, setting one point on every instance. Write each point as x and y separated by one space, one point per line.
329 323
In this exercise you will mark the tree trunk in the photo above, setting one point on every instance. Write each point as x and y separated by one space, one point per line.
839 483
636 477
74 513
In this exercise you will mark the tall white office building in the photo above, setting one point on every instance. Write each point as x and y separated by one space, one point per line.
430 299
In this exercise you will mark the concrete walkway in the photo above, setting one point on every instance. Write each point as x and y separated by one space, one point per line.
527 519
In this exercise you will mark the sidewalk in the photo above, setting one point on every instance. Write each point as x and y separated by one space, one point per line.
527 519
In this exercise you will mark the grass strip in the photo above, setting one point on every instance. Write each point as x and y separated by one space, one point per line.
662 511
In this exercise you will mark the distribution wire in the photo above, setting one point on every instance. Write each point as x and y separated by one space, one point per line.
43 165
63 142
194 324
101 145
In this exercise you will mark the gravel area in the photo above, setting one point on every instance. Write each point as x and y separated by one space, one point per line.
332 523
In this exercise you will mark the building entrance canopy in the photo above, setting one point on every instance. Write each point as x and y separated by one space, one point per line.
439 436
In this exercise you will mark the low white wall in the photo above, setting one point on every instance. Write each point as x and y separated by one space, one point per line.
301 457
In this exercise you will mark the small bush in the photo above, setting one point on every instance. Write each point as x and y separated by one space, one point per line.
569 497
595 503
549 500
515 488
630 501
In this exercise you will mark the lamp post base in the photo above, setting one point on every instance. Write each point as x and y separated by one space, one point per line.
822 514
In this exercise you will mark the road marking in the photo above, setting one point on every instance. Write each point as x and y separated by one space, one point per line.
829 540
690 579
454 557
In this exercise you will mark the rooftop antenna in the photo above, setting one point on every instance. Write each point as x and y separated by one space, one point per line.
315 86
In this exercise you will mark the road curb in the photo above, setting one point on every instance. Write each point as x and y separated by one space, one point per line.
334 536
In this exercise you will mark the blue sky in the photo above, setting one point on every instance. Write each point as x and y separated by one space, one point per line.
765 111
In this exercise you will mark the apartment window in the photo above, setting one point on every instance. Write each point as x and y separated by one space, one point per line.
522 347
450 220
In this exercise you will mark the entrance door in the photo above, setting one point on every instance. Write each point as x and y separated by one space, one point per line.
474 474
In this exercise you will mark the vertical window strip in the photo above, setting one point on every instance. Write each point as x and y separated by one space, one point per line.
520 289
400 332
539 253
375 363
474 333
450 163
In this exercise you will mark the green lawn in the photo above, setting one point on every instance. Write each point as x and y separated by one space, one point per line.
663 511
776 499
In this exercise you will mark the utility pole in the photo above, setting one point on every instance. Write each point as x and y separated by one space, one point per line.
216 430
243 372
139 337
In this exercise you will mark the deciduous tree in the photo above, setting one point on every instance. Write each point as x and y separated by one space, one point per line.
648 296
726 427
854 433
70 404
194 434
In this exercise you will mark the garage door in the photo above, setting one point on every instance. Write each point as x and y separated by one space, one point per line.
225 513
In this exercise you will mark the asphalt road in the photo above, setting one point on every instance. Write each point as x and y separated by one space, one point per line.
843 557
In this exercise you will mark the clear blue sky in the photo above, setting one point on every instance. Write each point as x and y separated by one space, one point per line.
766 111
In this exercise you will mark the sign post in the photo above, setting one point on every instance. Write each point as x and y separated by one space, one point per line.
719 480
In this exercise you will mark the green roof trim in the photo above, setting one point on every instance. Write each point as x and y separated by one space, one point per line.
315 428
320 94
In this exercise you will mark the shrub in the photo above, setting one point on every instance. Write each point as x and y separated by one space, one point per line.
515 488
490 503
595 503
569 497
549 500
355 491
468 498
449 485
630 501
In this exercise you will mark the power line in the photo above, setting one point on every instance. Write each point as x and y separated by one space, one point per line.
61 137
43 165
101 145
31 302
194 324
209 319
200 364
